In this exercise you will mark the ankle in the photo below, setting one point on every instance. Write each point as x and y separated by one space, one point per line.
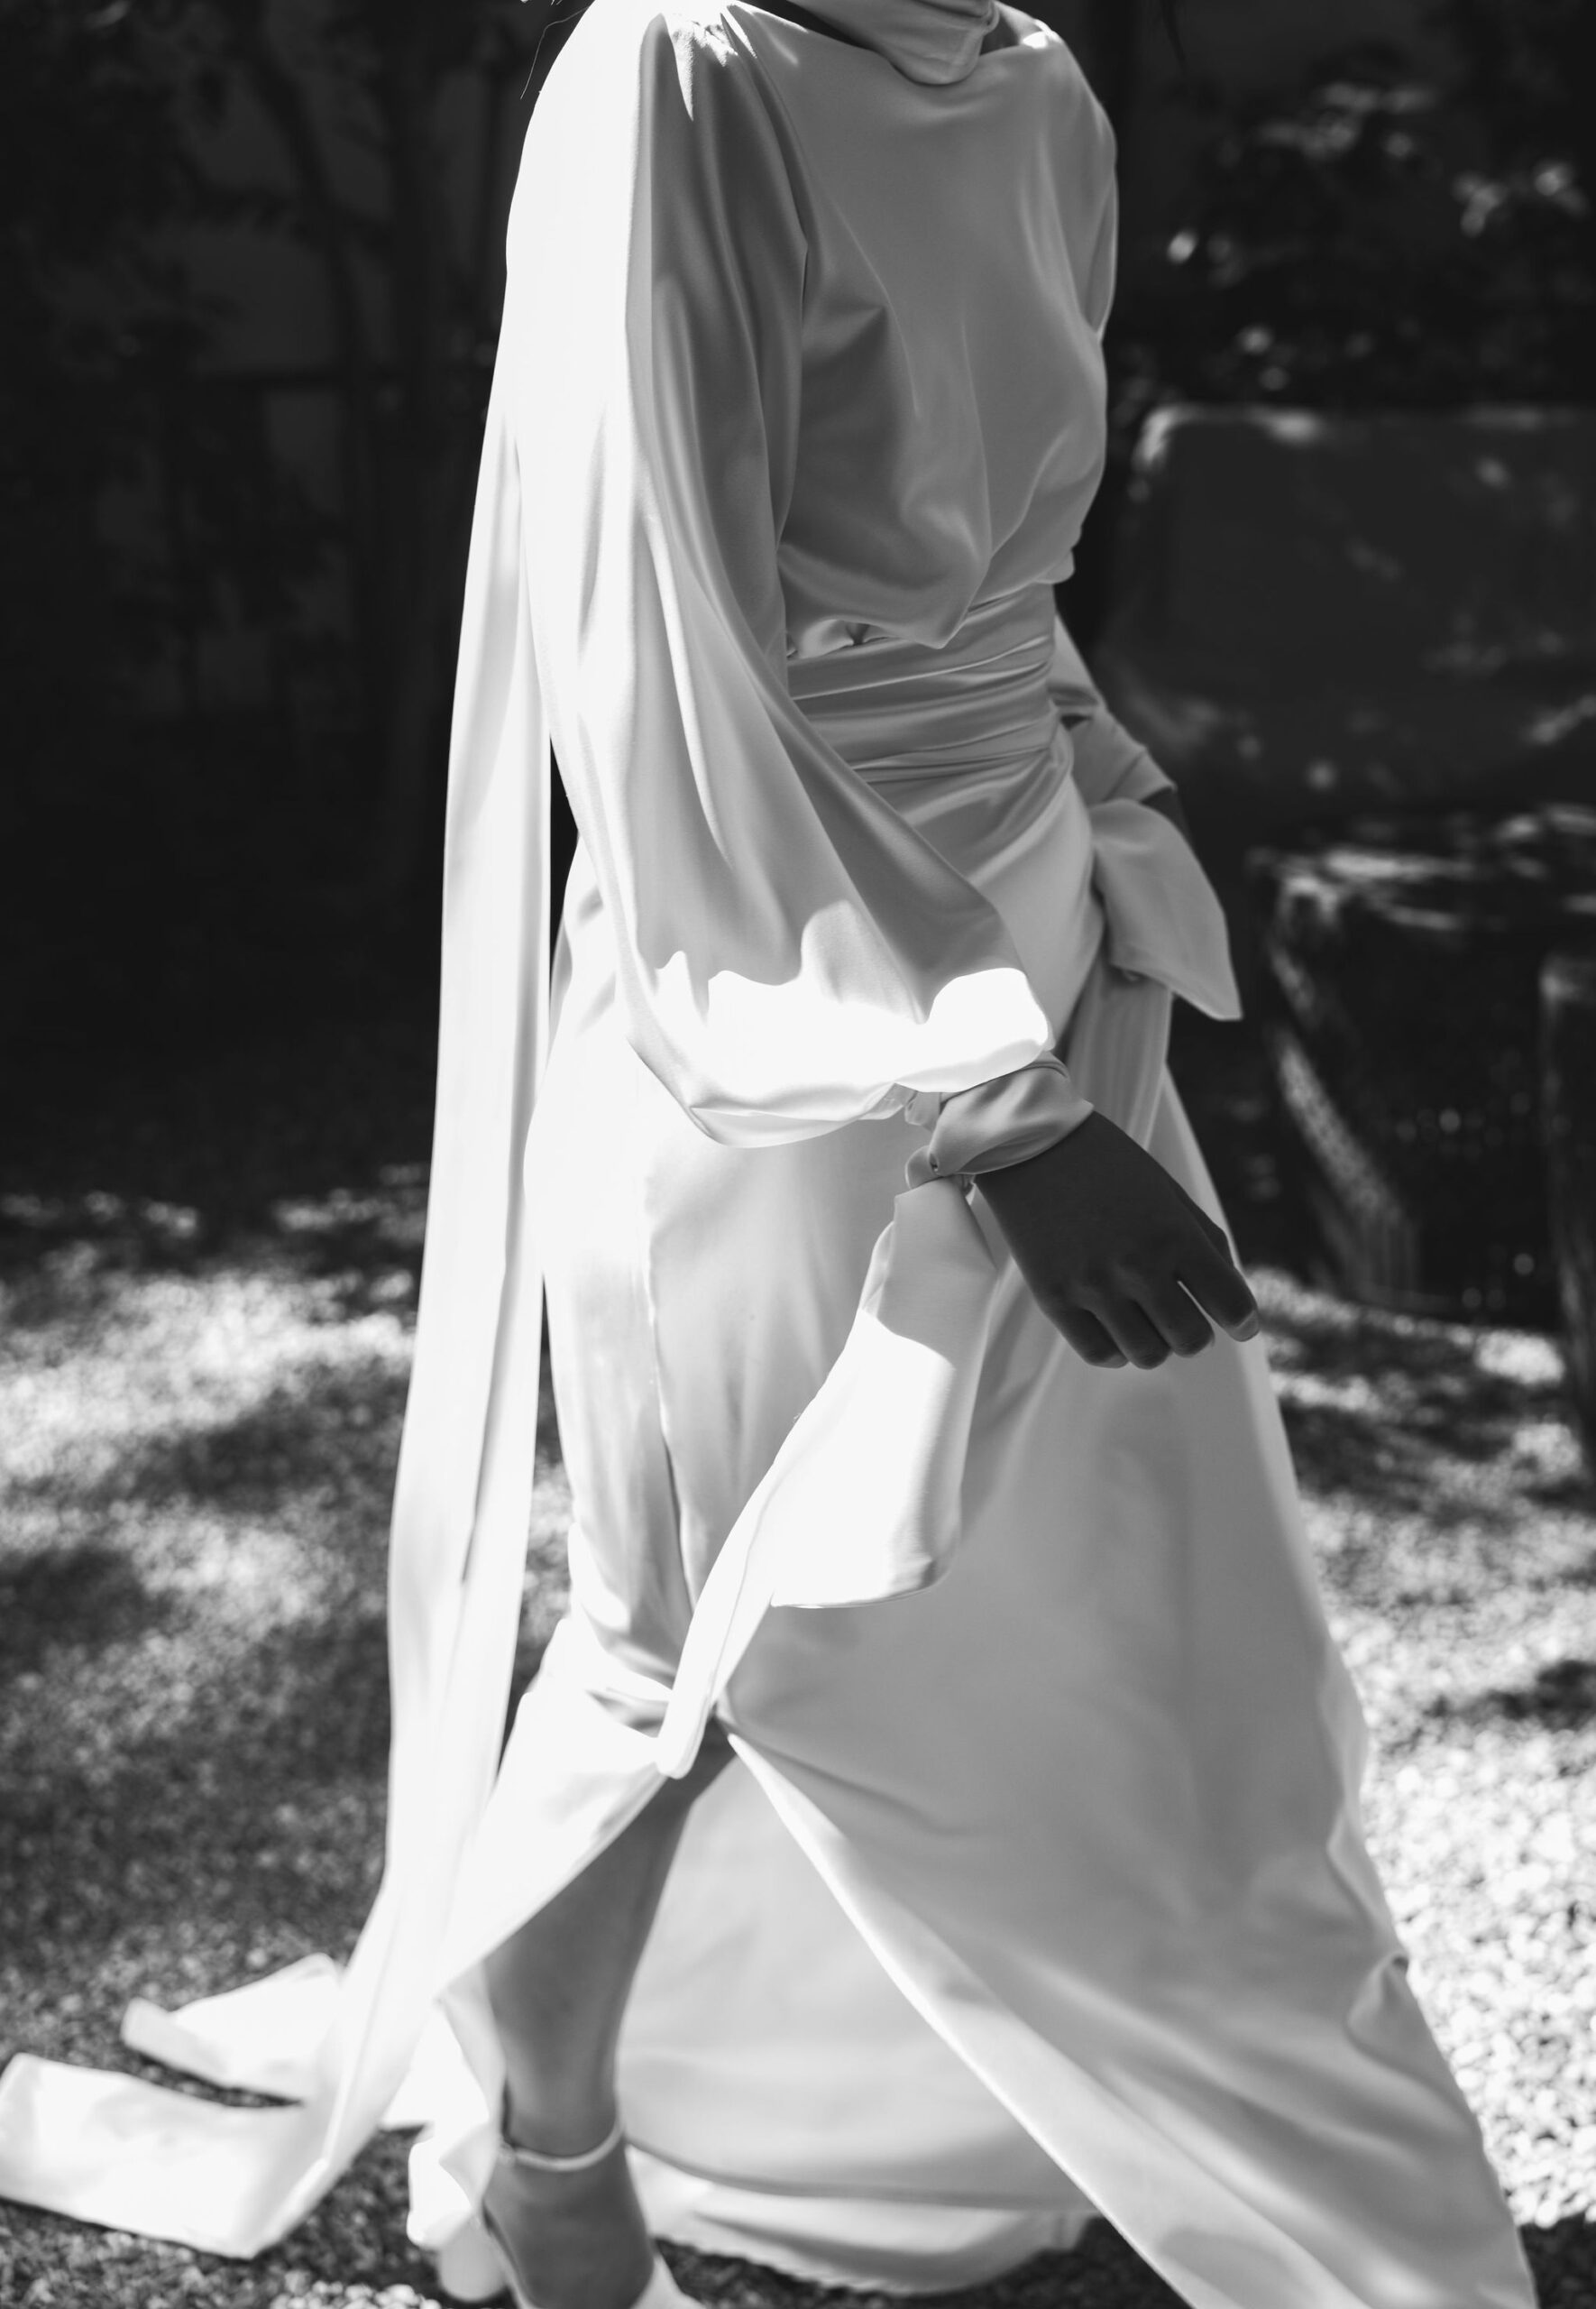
582 2128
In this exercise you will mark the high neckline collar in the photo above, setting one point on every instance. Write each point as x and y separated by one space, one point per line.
931 40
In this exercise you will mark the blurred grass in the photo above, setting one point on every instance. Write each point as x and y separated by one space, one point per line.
207 1267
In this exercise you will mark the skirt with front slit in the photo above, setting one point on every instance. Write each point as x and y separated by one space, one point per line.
1042 1888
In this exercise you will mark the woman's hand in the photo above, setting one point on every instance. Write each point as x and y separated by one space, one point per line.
1118 1256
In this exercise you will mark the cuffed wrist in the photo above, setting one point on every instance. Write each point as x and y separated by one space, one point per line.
995 1124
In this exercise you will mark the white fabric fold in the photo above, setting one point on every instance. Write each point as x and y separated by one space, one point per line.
993 1125
934 42
837 1521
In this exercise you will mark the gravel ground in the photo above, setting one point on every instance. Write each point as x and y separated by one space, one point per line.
208 1282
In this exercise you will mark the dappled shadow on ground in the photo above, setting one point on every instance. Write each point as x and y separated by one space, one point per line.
224 1775
197 1458
1560 1696
314 1138
1371 1400
209 1281
1446 1449
219 1766
88 1594
328 1437
62 1256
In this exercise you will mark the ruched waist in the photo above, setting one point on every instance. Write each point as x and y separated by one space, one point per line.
898 709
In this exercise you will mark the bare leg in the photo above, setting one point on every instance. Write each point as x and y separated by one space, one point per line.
558 1988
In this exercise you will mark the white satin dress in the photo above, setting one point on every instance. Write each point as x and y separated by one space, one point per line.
1038 1881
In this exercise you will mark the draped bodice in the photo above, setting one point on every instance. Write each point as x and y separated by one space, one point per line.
896 709
966 743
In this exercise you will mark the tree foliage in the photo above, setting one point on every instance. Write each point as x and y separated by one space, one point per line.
411 278
103 328
1383 235
354 97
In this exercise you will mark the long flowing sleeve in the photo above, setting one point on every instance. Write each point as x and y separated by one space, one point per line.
791 955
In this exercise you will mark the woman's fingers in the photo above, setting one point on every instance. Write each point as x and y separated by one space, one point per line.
1163 1320
1214 1231
1140 1341
1221 1290
1159 1322
1178 1318
1089 1339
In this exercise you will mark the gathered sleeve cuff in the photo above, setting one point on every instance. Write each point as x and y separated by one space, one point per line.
994 1125
791 955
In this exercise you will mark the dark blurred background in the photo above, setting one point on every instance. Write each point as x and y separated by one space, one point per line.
250 266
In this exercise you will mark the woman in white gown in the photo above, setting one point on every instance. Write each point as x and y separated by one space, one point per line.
1036 1878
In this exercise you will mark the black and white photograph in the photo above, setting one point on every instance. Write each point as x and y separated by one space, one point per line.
798 1155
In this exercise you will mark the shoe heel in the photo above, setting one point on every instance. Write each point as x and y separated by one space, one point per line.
661 2291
